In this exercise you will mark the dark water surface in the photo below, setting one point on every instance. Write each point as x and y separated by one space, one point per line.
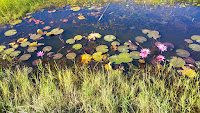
124 20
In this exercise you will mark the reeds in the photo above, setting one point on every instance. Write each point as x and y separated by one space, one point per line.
81 89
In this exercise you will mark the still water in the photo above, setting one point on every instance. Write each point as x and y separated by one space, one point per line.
123 20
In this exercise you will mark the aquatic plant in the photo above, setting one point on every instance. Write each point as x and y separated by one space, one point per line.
40 53
162 47
10 32
160 58
144 52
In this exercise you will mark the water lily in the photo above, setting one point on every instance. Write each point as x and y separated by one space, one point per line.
162 47
160 58
144 52
40 53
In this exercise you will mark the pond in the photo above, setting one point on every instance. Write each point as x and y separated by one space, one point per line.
175 26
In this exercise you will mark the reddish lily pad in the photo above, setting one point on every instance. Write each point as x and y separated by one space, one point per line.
189 60
57 56
36 62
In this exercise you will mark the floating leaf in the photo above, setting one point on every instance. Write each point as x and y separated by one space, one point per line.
77 46
188 41
127 44
31 49
169 45
123 49
177 62
140 39
57 56
153 34
145 31
13 45
36 62
75 8
50 54
85 58
36 37
78 37
39 31
55 31
115 43
47 48
9 50
102 48
2 47
125 57
33 44
81 17
133 47
22 40
71 55
93 36
194 47
195 37
182 53
10 32
24 44
114 59
70 41
46 27
25 57
15 22
109 38
135 54
15 53
108 66
98 56
187 71
189 60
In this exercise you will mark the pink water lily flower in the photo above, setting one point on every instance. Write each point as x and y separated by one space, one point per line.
160 58
162 47
40 53
144 52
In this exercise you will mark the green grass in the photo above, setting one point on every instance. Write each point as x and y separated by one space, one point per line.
81 89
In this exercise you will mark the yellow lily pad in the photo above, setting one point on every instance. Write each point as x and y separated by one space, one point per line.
21 40
10 32
85 58
75 8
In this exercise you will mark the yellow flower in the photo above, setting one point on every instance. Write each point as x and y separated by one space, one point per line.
85 58
108 66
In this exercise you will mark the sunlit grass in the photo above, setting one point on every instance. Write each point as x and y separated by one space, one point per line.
80 89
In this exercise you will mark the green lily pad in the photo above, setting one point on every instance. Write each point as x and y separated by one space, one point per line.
98 56
177 62
15 53
125 57
70 41
36 37
78 37
24 44
145 31
123 49
25 57
195 47
133 47
182 53
114 59
77 46
115 43
102 48
195 37
47 48
109 38
57 56
2 47
57 31
153 34
8 51
31 49
127 44
140 39
71 55
10 32
198 40
135 54
15 22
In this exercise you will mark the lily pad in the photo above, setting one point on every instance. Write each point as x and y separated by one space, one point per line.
71 55
133 47
22 40
81 17
145 31
135 54
33 44
123 49
78 37
98 56
153 34
50 54
194 47
24 44
114 59
47 48
10 32
177 62
125 57
109 38
102 48
70 41
36 62
93 36
182 53
36 37
188 41
15 53
57 56
55 31
25 57
169 45
2 47
187 71
85 58
115 43
9 50
195 37
75 8
189 60
140 39
77 46
15 22
31 49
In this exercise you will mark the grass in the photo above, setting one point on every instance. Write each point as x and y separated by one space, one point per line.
81 89
11 10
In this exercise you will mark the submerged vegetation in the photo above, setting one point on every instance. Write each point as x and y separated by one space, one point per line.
86 89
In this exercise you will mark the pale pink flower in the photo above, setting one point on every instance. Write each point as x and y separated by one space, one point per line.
162 47
144 52
40 53
160 58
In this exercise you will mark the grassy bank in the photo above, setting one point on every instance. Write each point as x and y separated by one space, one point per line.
56 89
15 9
